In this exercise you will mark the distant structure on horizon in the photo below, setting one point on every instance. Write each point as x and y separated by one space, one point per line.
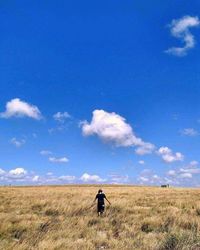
165 186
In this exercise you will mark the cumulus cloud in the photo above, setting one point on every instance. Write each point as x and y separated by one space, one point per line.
155 177
35 178
14 175
118 179
146 148
91 178
17 173
17 143
180 28
52 179
57 129
22 176
61 117
68 178
143 179
111 127
18 108
141 162
186 172
2 172
58 159
171 173
190 170
148 177
189 132
168 156
185 175
45 152
49 173
194 163
172 177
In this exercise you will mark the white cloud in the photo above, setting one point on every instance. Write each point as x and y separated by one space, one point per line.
189 132
186 172
119 178
58 159
35 178
2 172
49 173
18 108
179 28
111 127
45 152
190 170
146 148
169 181
20 175
148 177
155 177
59 128
14 175
61 117
146 171
17 173
168 156
68 178
91 178
143 179
194 163
141 162
171 173
185 175
17 143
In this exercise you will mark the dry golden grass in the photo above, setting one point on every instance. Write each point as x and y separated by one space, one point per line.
59 217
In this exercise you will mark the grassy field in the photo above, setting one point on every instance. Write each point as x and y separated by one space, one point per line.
61 217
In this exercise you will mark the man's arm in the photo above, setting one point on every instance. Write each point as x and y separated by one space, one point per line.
95 199
107 200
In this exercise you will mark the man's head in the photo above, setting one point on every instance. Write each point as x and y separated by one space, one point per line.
100 191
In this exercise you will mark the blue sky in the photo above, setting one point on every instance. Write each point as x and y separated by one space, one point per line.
100 92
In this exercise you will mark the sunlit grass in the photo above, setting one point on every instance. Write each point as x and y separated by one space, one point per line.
62 218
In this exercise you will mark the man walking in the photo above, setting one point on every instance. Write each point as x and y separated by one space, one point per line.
100 202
